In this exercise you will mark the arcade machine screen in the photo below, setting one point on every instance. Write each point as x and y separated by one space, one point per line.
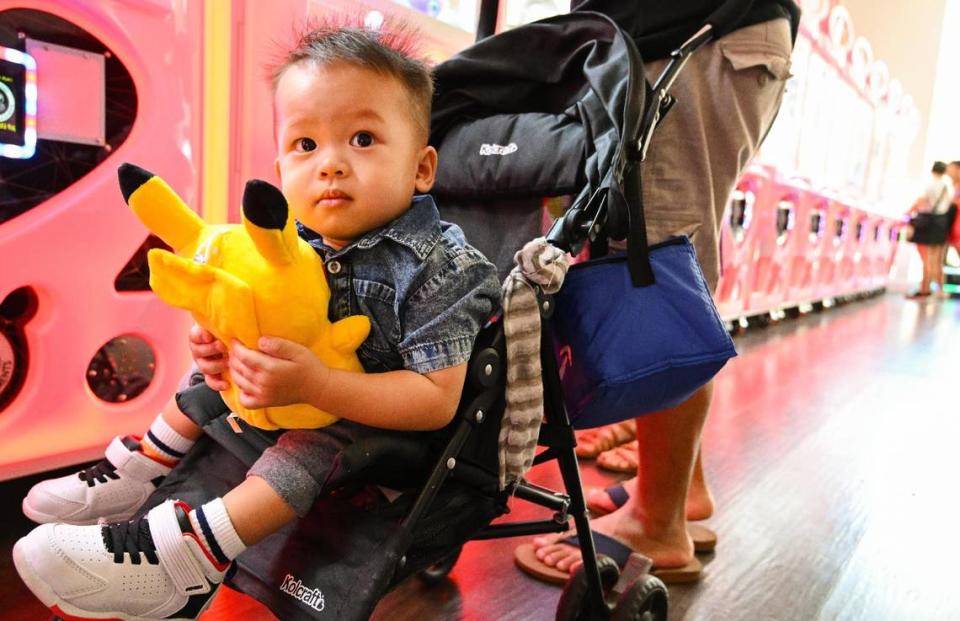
18 104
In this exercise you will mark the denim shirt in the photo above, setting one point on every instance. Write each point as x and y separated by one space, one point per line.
426 291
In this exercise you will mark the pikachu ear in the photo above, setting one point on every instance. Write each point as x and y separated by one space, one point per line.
268 222
159 207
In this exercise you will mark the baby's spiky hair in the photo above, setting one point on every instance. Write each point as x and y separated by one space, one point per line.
390 50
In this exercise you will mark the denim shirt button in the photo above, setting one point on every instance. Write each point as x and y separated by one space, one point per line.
333 267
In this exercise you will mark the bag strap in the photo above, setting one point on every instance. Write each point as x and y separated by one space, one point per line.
638 249
939 198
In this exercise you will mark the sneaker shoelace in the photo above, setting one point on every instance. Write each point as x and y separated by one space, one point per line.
99 472
131 538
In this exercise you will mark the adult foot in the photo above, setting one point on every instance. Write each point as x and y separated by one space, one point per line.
112 490
152 568
671 548
592 442
604 500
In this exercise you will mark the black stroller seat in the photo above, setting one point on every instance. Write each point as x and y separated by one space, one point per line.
354 545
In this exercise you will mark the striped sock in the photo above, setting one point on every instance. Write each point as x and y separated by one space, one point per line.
163 444
212 524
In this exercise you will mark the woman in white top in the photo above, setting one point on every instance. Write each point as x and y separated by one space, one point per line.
931 220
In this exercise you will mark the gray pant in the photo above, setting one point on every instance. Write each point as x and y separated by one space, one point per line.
297 466
727 97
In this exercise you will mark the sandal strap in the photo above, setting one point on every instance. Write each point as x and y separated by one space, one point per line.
608 546
618 494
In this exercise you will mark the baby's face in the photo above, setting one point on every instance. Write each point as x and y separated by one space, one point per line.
349 154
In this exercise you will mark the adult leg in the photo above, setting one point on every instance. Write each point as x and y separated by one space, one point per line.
653 519
939 276
600 500
924 252
727 97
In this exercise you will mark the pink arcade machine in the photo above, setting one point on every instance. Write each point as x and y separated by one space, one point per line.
738 233
86 350
798 248
857 246
885 250
781 242
775 242
806 250
832 284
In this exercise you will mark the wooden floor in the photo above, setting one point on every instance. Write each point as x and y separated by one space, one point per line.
832 450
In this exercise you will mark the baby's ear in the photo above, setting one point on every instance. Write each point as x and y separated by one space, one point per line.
426 169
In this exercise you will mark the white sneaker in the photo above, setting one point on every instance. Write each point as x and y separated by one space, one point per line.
110 491
151 568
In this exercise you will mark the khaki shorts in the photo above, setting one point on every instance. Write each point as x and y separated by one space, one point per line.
727 97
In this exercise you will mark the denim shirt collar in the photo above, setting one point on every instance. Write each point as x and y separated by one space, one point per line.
418 228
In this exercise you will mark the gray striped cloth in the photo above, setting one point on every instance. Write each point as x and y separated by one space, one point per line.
538 264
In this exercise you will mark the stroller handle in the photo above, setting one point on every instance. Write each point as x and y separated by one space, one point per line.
661 100
585 218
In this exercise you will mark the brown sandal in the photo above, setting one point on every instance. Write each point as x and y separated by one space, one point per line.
704 538
525 558
592 442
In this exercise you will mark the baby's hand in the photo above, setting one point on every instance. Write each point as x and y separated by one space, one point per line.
210 355
281 373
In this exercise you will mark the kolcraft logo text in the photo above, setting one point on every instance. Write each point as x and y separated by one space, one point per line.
311 597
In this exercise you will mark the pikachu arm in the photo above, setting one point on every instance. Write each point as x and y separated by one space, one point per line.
221 302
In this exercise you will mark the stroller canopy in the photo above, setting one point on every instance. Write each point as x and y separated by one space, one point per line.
541 110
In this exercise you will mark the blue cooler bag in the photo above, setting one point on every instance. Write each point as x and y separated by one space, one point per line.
626 350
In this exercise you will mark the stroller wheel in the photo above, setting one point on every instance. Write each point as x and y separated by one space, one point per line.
574 601
645 600
438 572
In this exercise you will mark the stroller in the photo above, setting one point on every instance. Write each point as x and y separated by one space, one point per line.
583 114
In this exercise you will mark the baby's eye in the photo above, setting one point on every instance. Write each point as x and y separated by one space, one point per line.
362 139
306 144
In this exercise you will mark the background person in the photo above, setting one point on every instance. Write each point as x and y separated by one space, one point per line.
931 221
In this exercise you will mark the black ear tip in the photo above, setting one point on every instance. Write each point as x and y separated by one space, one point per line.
132 177
264 205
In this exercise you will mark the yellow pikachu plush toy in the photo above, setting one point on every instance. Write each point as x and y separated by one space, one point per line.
244 281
